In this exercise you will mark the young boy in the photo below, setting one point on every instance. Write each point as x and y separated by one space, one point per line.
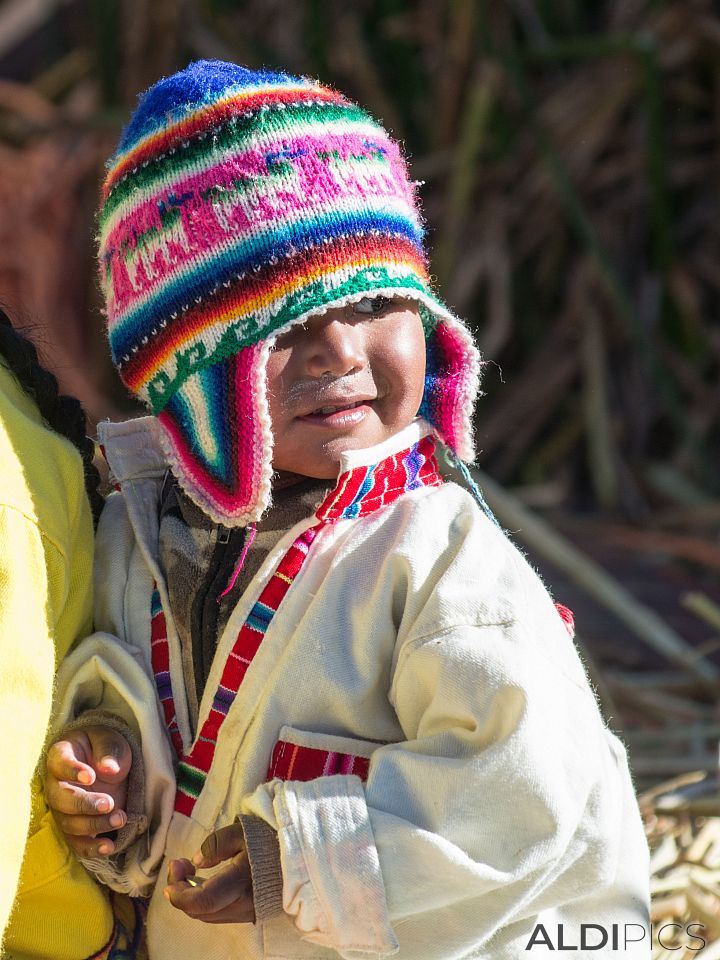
321 661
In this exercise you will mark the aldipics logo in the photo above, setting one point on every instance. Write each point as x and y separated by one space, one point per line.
619 936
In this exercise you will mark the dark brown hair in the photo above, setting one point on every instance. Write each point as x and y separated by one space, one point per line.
61 413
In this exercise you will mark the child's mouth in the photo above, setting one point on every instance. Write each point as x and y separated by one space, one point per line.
339 415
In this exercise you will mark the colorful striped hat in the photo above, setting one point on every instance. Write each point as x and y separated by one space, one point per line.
239 203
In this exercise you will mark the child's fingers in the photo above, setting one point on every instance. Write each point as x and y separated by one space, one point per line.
71 799
179 870
220 845
241 911
66 760
89 826
90 847
111 754
225 889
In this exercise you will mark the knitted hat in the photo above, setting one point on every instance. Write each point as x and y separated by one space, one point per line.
238 204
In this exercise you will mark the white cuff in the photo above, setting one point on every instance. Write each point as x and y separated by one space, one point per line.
332 883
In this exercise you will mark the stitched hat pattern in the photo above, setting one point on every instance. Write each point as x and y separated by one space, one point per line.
237 204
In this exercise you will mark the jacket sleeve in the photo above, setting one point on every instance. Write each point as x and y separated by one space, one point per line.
508 797
109 672
27 654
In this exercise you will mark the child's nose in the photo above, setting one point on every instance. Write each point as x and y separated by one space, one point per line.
335 347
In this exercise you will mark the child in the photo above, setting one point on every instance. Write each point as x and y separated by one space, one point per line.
349 685
49 906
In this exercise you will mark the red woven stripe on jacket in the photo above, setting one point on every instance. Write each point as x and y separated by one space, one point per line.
292 762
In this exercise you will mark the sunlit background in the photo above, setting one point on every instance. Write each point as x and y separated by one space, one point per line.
570 159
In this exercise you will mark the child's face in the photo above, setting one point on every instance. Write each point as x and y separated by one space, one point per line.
345 380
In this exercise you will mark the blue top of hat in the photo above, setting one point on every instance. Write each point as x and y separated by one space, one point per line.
201 82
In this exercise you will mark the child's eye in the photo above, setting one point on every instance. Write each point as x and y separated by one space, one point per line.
371 306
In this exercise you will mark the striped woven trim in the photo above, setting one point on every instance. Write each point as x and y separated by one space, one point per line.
292 762
366 489
359 492
194 768
160 659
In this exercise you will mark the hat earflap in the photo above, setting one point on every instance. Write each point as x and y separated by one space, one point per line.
218 437
452 380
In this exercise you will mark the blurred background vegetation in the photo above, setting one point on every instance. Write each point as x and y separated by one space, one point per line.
569 153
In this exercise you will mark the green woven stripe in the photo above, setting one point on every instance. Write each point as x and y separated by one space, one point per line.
190 780
199 155
248 331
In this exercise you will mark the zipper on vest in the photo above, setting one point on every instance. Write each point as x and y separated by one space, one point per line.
205 613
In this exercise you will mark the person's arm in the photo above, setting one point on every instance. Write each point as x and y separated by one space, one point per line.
105 675
109 676
27 664
507 797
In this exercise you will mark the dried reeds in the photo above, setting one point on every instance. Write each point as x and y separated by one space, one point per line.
566 154
569 154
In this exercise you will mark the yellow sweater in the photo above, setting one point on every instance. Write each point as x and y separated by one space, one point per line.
45 605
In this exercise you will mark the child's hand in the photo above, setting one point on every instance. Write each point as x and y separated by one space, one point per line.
226 896
95 756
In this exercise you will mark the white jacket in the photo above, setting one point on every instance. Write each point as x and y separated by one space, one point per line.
415 636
